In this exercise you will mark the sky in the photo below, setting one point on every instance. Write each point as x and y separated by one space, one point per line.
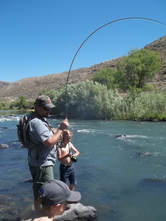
41 37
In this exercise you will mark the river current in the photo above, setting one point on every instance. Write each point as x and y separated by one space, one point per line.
123 177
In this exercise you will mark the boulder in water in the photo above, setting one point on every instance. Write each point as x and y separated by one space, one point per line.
143 154
120 136
153 182
77 212
3 127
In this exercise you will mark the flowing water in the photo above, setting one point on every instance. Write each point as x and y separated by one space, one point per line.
123 177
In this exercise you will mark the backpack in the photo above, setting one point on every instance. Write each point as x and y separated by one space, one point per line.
23 131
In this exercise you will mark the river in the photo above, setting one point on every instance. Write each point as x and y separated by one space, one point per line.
124 178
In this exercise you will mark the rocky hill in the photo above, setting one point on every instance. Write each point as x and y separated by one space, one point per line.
160 46
31 87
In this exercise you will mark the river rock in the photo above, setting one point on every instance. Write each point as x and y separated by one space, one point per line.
153 182
77 212
120 136
3 127
4 146
147 154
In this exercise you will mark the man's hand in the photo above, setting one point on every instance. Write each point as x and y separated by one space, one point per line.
54 130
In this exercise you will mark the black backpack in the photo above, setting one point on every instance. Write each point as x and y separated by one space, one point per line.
23 131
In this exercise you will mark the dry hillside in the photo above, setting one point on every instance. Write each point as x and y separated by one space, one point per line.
31 87
160 46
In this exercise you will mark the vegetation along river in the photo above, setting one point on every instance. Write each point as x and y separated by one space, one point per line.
124 178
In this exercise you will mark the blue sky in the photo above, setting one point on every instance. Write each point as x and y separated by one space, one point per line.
40 37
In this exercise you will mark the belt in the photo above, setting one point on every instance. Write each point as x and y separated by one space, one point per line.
66 165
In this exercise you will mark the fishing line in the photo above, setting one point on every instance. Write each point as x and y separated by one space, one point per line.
92 33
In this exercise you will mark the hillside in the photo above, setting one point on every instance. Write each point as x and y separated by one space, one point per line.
160 46
31 87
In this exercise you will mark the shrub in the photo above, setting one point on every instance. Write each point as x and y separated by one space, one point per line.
105 76
136 68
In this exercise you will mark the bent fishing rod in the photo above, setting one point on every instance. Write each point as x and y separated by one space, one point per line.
92 33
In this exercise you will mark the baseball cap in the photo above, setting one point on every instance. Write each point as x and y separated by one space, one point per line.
58 192
44 101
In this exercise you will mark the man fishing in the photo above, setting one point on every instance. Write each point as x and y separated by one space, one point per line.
43 139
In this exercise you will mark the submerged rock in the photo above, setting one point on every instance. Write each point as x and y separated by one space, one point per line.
77 212
153 182
4 146
121 136
147 154
3 127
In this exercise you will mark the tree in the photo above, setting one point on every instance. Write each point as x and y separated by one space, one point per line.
21 103
137 68
105 76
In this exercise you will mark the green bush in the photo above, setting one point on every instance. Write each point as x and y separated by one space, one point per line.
148 87
146 106
21 104
89 100
105 76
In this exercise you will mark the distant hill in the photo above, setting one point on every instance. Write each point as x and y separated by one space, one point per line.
160 46
31 87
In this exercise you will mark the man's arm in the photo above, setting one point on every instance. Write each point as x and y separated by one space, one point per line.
52 140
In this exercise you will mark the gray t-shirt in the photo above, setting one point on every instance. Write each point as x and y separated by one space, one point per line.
40 155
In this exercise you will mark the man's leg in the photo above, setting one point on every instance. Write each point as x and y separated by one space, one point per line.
35 172
47 174
43 175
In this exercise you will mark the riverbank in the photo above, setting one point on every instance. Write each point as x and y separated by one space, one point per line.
149 118
89 101
13 112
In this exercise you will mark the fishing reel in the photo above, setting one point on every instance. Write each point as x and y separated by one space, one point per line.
74 158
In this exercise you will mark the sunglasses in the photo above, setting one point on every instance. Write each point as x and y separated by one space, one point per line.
46 109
